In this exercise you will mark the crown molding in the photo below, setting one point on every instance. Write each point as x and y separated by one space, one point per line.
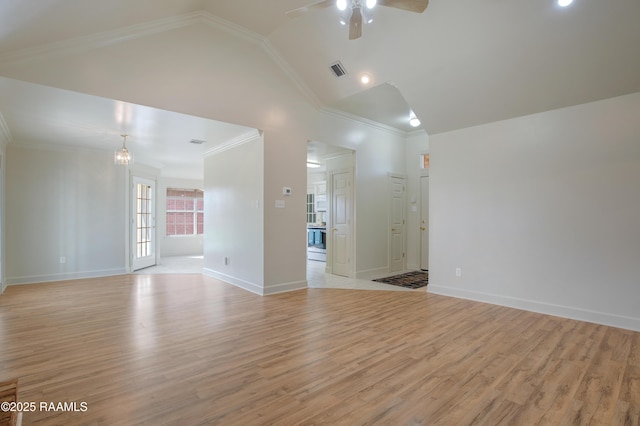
370 123
229 27
107 38
5 133
102 39
417 132
235 142
300 84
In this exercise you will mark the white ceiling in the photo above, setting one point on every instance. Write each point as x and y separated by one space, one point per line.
459 64
39 115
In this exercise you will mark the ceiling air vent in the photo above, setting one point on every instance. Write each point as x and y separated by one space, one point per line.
197 141
338 69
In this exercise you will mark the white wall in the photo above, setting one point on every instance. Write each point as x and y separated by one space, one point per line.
285 165
234 210
63 203
183 245
232 77
542 212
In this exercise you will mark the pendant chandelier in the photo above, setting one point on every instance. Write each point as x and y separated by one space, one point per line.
122 156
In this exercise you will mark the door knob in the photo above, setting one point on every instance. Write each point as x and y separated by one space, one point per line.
334 229
393 229
422 228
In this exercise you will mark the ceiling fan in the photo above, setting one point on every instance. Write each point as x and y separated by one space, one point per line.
358 11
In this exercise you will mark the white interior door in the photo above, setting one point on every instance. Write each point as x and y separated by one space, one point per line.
341 211
143 220
397 232
424 223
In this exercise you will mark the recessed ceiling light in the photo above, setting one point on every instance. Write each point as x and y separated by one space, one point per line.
365 79
564 3
342 4
371 4
413 120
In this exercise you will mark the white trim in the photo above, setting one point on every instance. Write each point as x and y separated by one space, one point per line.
603 318
373 124
3 287
229 27
417 132
64 276
101 39
288 70
132 32
245 285
285 287
235 142
368 274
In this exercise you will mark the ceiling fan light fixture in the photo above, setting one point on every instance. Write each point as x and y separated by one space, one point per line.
564 3
371 4
414 122
341 4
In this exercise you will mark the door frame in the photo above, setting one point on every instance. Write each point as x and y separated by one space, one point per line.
391 176
424 241
131 217
352 231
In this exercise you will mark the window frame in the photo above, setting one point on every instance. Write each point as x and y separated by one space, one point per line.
197 213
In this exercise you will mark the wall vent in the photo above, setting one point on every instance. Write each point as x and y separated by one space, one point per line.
338 69
197 141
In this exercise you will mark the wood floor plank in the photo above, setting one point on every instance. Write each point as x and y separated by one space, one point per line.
191 350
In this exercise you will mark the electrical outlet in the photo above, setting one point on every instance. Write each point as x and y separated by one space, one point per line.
226 260
458 272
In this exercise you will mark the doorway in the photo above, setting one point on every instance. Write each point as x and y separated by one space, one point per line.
330 208
143 229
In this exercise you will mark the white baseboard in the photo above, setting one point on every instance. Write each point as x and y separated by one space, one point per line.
370 273
35 279
603 318
245 285
255 288
285 287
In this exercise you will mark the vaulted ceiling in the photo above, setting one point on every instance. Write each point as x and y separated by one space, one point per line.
458 64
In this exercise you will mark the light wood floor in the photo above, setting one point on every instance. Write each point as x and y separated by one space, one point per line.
190 350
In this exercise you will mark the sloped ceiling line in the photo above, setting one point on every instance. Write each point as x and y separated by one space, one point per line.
94 41
107 38
370 123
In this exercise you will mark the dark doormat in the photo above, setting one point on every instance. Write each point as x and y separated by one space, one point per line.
413 279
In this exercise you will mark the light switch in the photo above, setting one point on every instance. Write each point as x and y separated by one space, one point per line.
280 204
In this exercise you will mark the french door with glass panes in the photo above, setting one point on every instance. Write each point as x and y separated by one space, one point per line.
143 223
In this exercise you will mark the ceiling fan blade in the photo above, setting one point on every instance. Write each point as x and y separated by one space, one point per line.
355 24
313 6
417 6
